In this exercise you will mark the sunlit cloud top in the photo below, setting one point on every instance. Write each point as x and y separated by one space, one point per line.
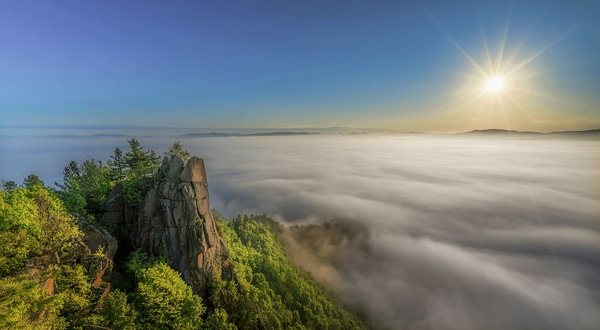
415 65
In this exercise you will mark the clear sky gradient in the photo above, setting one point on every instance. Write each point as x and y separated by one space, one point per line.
384 64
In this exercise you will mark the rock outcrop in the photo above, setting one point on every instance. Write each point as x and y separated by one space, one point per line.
173 221
94 251
98 240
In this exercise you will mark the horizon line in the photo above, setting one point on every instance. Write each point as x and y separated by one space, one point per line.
138 127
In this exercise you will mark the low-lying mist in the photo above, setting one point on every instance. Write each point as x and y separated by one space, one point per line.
437 233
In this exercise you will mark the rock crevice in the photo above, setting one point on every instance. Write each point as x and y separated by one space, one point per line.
173 221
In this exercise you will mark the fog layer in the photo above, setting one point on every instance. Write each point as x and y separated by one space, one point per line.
455 233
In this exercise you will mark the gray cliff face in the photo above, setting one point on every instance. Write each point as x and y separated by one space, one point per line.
173 221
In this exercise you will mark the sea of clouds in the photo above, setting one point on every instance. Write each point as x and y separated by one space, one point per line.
457 233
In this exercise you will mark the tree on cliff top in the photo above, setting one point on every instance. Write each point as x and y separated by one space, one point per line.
141 163
117 165
85 186
177 150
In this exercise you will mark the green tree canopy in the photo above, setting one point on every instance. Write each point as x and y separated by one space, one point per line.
33 221
177 150
32 180
9 186
139 162
117 165
284 296
85 187
165 301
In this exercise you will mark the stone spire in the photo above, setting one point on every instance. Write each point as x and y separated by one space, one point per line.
173 221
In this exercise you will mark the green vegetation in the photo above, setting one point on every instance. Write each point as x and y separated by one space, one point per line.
33 222
21 299
117 313
118 165
273 293
160 300
43 285
131 192
85 186
74 296
177 150
140 163
9 185
164 300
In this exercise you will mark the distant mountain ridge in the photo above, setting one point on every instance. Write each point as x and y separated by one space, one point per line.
491 132
91 136
496 131
214 134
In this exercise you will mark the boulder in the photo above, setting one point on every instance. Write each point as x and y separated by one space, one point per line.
99 238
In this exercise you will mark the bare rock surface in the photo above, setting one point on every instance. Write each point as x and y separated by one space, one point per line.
173 221
97 239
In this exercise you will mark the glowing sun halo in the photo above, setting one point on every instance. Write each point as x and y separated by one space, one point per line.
494 84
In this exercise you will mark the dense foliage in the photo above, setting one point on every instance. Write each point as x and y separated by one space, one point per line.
260 289
273 293
160 300
140 163
39 222
86 185
33 222
177 150
165 301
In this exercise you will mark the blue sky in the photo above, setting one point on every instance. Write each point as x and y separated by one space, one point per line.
385 64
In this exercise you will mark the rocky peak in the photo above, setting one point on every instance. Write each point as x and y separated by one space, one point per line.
173 221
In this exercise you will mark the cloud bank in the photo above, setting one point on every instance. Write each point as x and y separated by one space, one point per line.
444 233
458 234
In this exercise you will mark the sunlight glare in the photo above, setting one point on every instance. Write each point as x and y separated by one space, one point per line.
495 84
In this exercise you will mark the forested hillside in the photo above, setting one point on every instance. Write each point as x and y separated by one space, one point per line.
287 296
61 267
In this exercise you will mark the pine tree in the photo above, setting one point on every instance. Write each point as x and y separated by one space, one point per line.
152 160
33 180
134 158
117 165
177 150
9 186
71 174
141 163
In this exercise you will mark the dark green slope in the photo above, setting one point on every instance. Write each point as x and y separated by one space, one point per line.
286 296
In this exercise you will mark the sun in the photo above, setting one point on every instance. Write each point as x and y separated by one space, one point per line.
495 84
